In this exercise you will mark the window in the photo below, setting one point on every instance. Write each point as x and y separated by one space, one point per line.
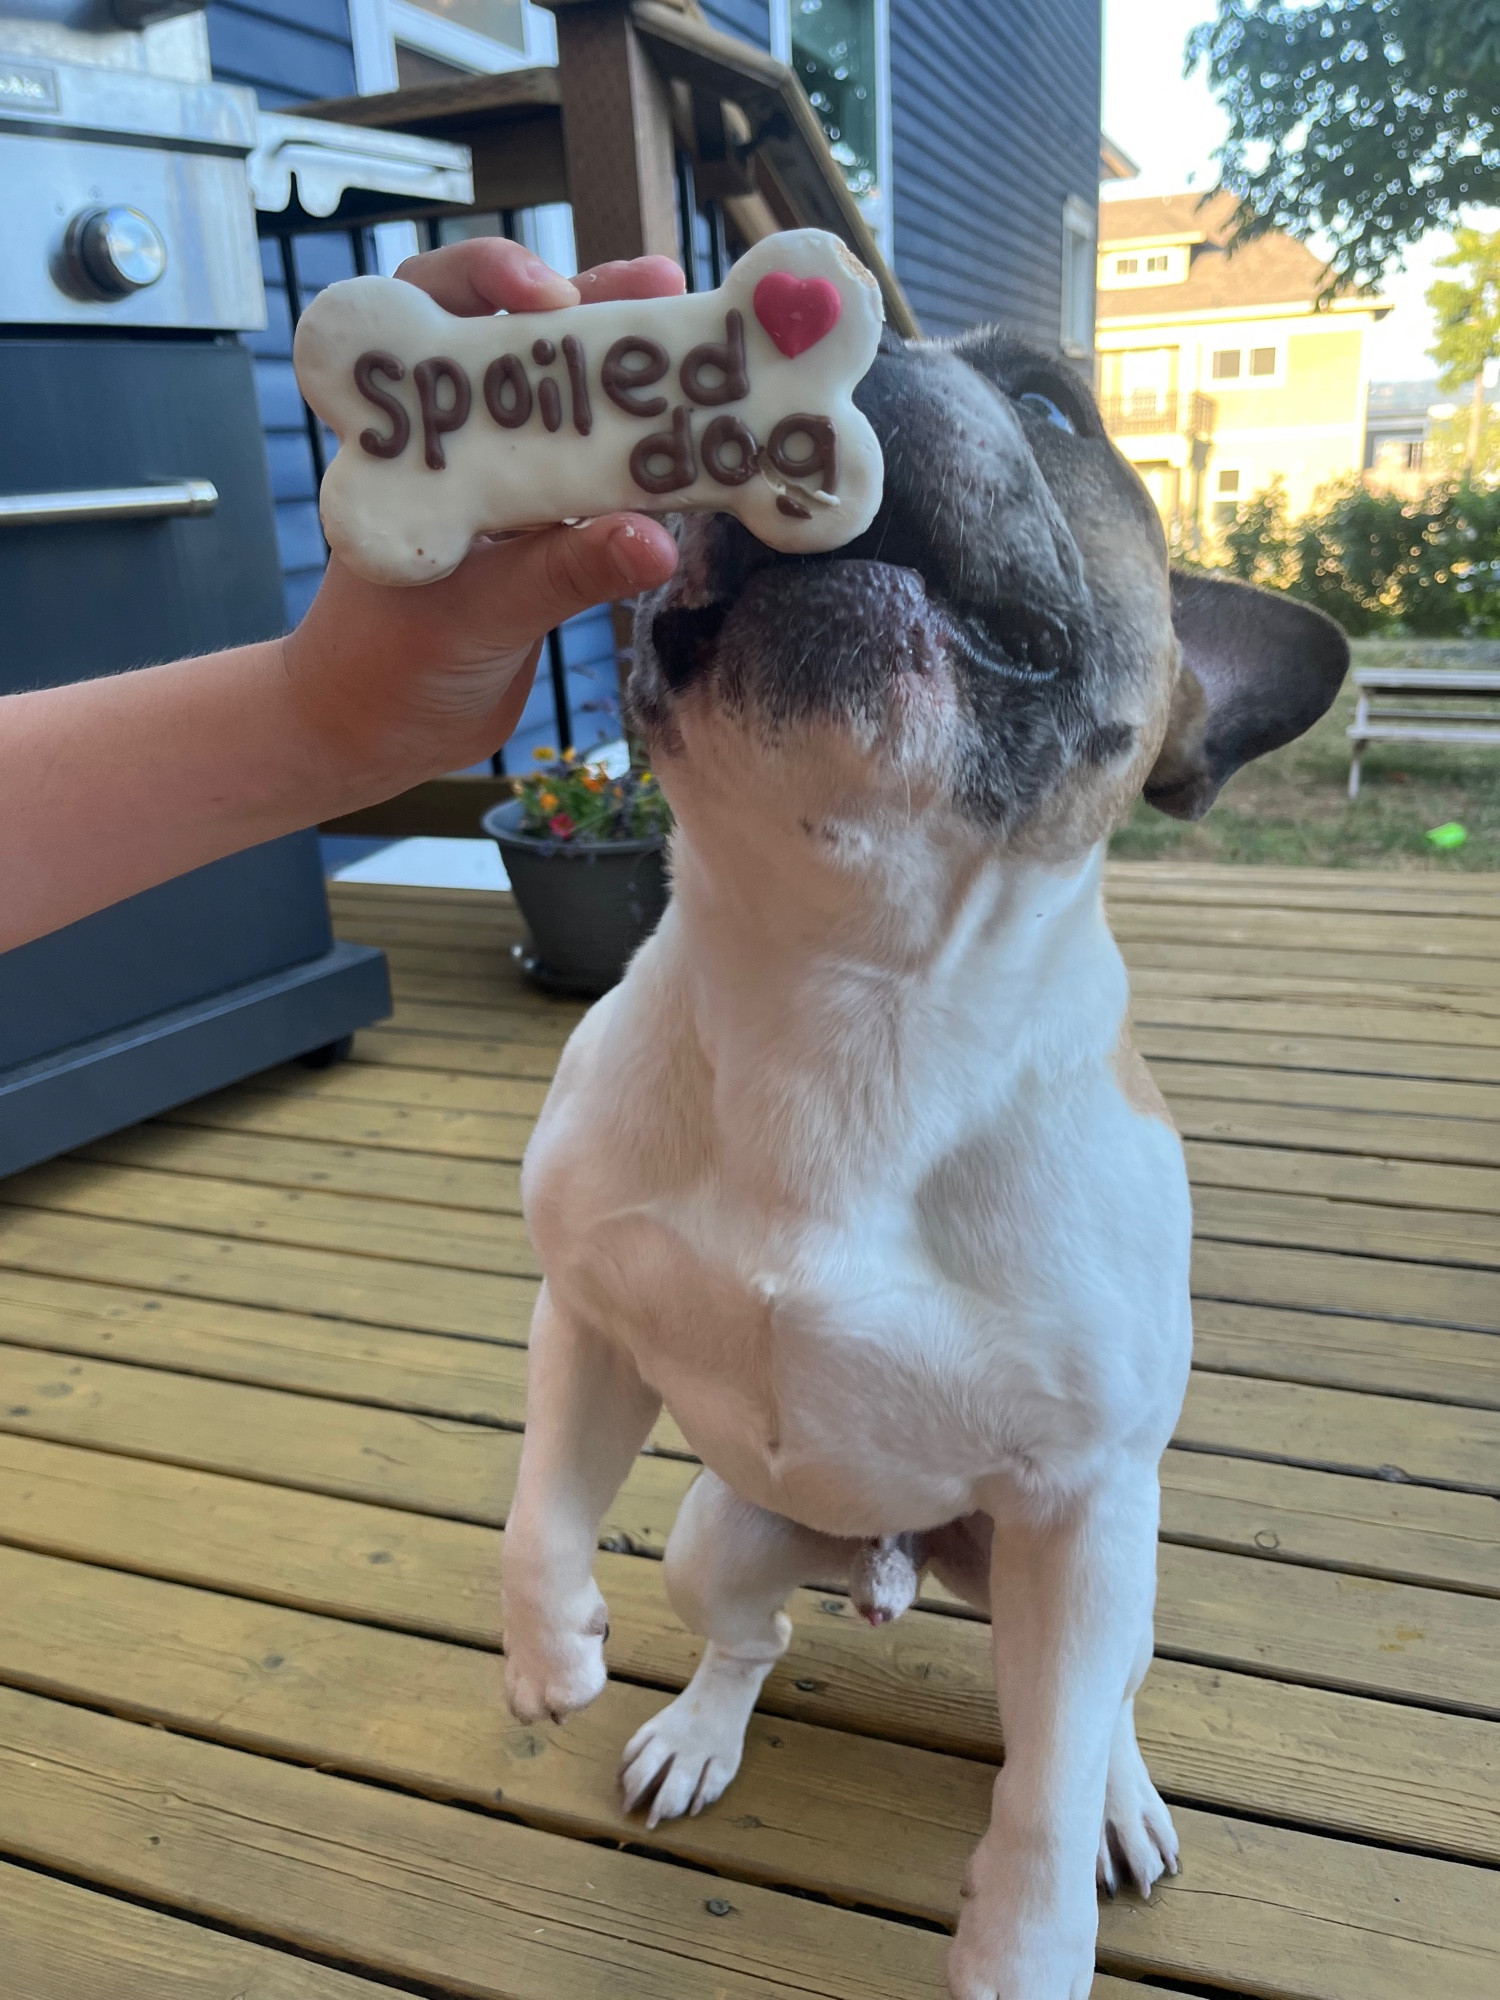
1161 263
840 51
1126 267
502 21
1226 364
1078 263
1229 482
1225 512
1263 361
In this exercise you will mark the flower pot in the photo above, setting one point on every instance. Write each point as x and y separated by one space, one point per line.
588 904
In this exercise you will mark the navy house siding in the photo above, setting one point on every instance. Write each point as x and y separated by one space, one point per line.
995 122
288 52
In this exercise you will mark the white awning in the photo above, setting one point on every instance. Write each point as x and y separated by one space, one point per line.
329 161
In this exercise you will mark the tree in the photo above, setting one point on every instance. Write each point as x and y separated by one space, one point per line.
1467 315
1367 120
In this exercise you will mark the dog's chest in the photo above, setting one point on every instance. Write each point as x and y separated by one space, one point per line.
861 1374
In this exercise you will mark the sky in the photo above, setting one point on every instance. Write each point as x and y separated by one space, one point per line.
1170 126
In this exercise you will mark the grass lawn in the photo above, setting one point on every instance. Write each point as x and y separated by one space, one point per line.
1292 808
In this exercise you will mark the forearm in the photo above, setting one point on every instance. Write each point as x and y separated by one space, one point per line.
109 786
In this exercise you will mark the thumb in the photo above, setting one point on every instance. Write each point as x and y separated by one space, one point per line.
561 571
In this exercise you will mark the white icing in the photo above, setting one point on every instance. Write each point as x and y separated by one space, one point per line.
398 520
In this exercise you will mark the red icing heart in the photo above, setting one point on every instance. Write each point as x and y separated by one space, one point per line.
797 312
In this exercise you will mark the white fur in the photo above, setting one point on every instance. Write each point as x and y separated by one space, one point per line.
843 1174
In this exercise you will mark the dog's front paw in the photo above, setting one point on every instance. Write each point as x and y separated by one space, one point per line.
1138 1844
1015 1943
553 1668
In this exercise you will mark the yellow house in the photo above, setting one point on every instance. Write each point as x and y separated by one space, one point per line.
1218 371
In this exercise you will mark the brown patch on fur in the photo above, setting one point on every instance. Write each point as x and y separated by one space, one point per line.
1135 1079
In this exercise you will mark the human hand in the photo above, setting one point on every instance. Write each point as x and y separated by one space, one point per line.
402 684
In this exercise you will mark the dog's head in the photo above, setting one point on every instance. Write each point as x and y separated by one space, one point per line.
1006 643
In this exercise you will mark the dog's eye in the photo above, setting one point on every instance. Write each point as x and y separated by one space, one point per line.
1033 399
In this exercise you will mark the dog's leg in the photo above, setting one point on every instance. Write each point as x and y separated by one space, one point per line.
587 1415
729 1569
1070 1596
1139 1842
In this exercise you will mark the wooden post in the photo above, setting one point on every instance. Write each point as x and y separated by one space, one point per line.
617 135
621 156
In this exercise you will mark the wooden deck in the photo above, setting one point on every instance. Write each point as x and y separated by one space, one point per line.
261 1378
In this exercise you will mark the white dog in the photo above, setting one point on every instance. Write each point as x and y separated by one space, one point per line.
858 1172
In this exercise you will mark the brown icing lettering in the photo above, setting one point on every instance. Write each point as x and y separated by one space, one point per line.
623 384
436 416
578 382
366 369
543 352
507 374
785 504
676 447
823 459
718 448
715 371
549 402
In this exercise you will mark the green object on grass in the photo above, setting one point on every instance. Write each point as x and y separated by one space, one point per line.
1450 835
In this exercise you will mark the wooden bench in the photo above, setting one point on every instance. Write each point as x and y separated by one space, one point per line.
1395 706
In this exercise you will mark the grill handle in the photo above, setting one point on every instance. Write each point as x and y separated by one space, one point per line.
109 503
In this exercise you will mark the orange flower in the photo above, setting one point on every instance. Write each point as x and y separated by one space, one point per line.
547 801
544 753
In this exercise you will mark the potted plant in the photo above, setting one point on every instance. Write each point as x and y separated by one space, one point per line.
585 855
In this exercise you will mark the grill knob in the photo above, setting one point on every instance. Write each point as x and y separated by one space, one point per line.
112 252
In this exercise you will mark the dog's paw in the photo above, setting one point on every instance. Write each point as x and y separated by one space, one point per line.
1138 1843
551 1670
1015 1943
684 1758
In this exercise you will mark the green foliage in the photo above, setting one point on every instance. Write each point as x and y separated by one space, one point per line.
1369 120
1466 310
1376 562
1445 450
569 800
1256 546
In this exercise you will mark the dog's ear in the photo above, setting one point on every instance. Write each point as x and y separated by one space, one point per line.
1257 669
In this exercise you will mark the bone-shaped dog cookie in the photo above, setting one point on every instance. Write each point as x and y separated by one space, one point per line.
736 400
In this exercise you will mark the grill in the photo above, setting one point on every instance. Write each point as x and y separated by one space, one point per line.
136 525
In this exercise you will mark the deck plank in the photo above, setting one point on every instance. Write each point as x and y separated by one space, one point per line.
63 1942
1213 1735
261 1380
1320 1625
851 1817
416 1890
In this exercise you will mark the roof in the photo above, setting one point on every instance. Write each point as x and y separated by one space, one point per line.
1273 270
1115 164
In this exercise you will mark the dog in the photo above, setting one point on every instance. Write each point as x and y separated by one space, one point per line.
858 1171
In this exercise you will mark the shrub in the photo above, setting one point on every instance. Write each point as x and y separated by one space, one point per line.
1374 561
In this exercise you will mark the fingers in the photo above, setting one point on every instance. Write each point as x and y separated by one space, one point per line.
488 274
631 278
552 575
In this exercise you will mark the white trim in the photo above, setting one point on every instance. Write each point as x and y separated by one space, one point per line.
374 50
415 28
1079 225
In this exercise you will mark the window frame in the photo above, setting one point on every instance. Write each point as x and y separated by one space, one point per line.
1080 224
877 210
1245 348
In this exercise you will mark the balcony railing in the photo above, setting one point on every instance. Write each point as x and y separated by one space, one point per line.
1146 413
